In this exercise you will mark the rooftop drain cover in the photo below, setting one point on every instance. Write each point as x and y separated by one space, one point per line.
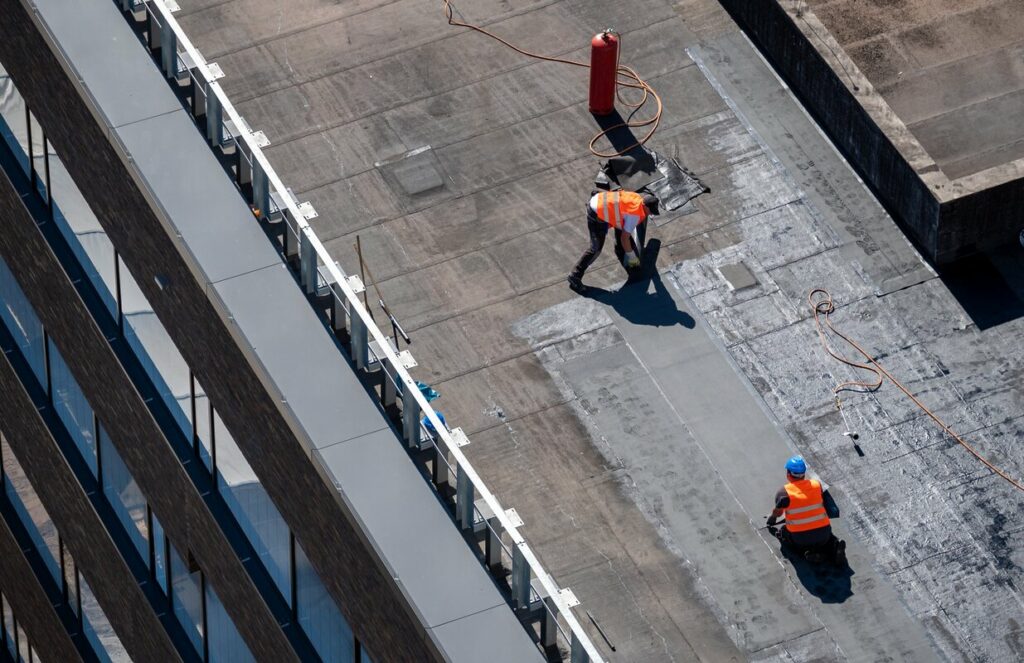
414 172
738 275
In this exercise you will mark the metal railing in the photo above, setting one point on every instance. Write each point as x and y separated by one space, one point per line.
534 595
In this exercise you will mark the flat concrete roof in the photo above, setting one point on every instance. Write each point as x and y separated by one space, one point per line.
348 434
952 72
641 432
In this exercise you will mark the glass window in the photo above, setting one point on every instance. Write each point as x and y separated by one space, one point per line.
70 580
82 231
38 153
9 629
124 496
256 514
319 616
13 115
31 511
97 629
22 643
187 599
72 407
159 553
226 645
155 350
21 321
204 423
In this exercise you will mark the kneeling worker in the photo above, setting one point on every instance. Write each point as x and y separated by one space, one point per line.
625 211
804 503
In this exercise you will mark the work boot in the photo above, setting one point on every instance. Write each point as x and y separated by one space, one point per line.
576 285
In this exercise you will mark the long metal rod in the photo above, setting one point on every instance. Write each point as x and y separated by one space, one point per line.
358 309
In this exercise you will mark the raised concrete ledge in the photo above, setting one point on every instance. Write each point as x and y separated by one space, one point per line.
946 218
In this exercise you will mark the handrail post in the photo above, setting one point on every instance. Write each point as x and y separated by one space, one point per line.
441 473
260 189
169 50
520 580
214 116
307 261
577 653
548 627
463 500
360 345
388 390
410 419
492 546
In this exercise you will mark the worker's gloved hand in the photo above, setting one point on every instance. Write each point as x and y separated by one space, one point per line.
631 260
771 521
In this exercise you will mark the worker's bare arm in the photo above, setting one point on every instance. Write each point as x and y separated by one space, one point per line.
625 240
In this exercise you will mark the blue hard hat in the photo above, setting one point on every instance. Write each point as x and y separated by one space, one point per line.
796 465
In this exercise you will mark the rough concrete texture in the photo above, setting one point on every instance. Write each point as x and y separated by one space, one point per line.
640 431
952 72
929 122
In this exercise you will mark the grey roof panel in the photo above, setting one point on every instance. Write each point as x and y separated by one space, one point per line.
492 635
312 375
108 58
196 195
419 541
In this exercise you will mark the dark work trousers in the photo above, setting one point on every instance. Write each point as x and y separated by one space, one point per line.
598 230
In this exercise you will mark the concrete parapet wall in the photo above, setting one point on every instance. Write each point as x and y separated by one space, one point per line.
946 219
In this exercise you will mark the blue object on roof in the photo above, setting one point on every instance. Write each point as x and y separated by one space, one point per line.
428 392
429 426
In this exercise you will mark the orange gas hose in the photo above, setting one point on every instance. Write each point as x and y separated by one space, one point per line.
823 307
626 75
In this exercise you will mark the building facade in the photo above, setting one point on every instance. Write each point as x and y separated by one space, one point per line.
192 468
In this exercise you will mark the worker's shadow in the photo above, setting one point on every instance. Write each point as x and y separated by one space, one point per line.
828 583
643 298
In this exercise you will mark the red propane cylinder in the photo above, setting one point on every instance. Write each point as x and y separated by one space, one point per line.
604 63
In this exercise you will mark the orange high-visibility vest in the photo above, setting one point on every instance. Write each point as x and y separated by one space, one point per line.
612 205
806 510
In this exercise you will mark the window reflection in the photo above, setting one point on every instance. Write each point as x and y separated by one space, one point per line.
72 407
319 616
124 496
83 232
156 351
226 645
13 119
30 510
21 321
187 598
97 629
253 509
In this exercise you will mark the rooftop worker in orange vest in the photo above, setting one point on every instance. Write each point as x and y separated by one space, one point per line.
625 211
804 503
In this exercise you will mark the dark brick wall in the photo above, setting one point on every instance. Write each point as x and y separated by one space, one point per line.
80 527
367 596
30 603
